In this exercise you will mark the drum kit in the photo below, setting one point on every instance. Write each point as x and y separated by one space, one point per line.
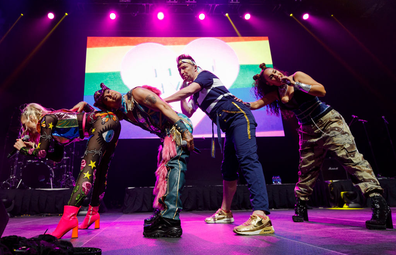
28 173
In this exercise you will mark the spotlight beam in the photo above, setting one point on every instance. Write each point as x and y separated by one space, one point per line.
232 24
390 73
336 56
20 16
12 77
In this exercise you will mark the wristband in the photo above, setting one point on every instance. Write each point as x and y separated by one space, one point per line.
180 126
303 87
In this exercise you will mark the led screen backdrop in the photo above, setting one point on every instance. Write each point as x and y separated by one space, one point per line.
123 63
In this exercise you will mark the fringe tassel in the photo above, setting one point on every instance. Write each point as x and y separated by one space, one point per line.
165 153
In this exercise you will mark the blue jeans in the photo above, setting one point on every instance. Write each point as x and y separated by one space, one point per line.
177 168
240 151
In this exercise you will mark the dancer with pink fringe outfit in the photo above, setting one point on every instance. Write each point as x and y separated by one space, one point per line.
143 107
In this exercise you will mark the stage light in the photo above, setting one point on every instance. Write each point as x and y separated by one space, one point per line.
202 16
160 16
51 15
247 16
226 14
305 16
112 15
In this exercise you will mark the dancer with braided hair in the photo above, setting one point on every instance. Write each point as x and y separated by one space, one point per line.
143 107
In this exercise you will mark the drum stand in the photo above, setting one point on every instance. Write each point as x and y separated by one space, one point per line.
67 179
13 182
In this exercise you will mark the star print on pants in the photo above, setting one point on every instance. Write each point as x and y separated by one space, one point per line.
92 164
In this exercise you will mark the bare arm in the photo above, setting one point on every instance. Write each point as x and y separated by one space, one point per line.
187 110
82 106
316 89
184 93
151 100
266 100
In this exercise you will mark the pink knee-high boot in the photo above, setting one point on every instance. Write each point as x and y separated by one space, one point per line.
67 222
91 217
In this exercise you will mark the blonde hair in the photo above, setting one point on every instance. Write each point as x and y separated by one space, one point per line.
33 112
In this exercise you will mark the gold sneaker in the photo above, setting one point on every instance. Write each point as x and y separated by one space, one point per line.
220 217
255 225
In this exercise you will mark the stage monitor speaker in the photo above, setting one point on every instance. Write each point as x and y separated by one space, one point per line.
332 170
3 218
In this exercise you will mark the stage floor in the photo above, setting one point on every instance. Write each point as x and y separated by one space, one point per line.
329 231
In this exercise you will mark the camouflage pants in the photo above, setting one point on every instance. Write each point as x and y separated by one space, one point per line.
331 133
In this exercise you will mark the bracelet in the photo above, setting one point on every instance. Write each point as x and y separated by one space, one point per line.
180 126
303 87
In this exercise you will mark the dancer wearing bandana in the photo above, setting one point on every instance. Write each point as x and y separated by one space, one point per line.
62 127
240 149
143 107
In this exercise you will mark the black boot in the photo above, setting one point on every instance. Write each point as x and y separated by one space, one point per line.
163 227
150 220
382 216
301 211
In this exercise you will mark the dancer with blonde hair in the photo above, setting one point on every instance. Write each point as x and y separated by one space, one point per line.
63 127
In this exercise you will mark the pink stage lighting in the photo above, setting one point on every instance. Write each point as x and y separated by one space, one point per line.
112 15
51 15
160 16
247 16
202 16
305 16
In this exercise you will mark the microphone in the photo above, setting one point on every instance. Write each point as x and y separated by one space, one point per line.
196 150
385 120
24 139
355 117
362 120
286 81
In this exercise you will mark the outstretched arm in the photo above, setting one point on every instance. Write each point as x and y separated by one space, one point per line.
82 106
265 100
307 84
151 100
184 93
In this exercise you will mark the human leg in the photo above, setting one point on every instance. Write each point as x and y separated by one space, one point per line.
229 170
342 143
167 222
312 155
100 174
243 135
104 135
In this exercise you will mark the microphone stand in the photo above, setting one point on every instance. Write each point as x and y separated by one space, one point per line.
390 139
371 147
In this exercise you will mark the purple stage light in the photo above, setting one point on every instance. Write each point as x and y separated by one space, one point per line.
305 16
202 16
51 15
112 15
247 16
160 15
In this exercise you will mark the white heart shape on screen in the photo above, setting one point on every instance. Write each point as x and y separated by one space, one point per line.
217 57
155 65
